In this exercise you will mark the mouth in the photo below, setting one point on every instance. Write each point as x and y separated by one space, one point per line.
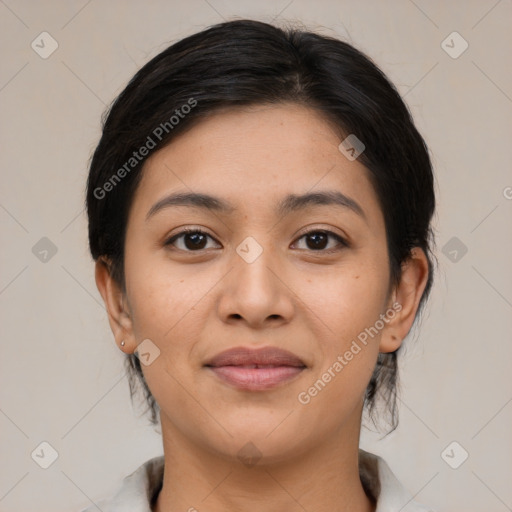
256 369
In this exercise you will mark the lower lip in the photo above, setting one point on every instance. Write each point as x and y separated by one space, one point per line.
256 379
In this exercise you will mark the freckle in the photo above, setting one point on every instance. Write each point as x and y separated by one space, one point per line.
181 281
356 277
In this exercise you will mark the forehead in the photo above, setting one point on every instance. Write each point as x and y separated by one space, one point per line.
253 158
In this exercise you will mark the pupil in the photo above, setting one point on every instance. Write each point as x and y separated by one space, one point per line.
319 240
196 241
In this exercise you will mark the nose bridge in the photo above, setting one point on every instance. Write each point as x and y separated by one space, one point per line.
254 262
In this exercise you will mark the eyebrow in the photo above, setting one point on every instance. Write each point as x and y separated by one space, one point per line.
290 204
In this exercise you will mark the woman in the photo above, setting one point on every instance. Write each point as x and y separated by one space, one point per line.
259 212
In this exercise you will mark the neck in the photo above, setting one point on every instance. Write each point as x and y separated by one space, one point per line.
323 478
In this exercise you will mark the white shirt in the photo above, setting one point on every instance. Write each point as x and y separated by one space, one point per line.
138 491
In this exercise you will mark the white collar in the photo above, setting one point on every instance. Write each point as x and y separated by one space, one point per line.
140 487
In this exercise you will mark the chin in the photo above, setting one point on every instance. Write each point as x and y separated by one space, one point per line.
259 443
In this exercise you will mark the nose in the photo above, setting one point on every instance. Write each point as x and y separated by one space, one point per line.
255 292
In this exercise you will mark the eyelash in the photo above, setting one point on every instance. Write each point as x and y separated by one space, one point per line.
342 241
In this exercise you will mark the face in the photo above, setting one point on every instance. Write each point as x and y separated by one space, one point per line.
259 268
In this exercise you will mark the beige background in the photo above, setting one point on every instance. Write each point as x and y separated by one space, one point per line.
62 379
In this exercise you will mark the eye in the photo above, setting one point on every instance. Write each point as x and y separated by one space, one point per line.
317 240
192 240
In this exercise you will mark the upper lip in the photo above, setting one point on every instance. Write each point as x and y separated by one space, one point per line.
242 356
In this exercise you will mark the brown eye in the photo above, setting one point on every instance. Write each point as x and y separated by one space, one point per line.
191 240
318 240
195 240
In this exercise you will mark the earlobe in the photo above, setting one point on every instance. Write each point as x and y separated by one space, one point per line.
115 303
405 299
389 343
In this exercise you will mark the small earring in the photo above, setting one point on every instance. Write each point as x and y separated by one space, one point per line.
122 343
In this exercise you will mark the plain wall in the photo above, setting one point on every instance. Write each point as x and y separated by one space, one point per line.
62 376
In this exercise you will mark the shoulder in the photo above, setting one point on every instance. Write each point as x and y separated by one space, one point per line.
137 490
381 483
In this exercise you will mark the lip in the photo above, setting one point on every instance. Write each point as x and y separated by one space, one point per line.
256 369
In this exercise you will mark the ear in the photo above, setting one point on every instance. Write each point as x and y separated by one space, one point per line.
405 300
119 315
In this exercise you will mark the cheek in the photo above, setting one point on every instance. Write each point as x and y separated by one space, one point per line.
349 305
158 296
168 308
163 312
347 301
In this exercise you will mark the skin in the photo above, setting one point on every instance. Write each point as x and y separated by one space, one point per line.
193 305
